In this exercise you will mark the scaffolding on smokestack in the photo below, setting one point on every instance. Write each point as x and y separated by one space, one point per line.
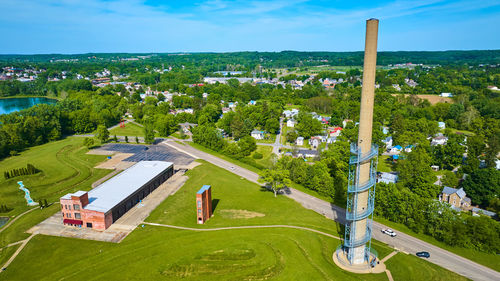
363 166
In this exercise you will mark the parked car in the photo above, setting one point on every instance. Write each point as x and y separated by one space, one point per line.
389 232
423 255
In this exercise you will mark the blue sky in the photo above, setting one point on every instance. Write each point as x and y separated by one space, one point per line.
81 26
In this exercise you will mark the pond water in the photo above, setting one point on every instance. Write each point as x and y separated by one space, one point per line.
15 104
3 220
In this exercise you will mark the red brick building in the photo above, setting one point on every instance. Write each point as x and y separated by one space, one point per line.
103 205
204 204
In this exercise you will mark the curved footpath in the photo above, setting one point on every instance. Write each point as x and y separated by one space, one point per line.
401 242
13 220
245 227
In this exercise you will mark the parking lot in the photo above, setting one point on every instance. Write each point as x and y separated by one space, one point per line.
149 153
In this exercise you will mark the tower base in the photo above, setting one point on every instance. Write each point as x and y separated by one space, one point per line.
340 259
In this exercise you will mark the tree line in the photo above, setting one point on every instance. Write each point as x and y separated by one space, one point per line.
28 170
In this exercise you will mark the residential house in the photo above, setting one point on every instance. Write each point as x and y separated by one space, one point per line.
252 102
186 126
307 153
439 140
299 141
331 140
442 125
446 95
344 123
396 149
387 177
258 135
409 148
388 142
315 141
335 132
291 123
455 197
291 113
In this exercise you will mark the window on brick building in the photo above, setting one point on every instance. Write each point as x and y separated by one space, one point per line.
76 207
68 215
78 216
199 204
69 207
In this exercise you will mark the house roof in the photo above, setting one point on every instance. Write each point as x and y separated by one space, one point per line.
449 190
461 193
307 151
398 146
77 194
257 132
388 177
488 213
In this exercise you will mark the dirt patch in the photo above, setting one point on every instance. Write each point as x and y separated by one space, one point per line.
239 214
116 162
433 99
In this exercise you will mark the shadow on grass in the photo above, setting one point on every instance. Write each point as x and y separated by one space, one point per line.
215 202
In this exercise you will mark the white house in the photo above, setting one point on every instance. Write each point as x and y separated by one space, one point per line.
439 140
441 125
291 113
315 141
299 141
446 95
408 148
388 142
291 123
258 135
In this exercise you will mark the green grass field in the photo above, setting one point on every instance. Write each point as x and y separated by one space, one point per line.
65 168
384 164
159 253
403 266
266 152
131 130
222 156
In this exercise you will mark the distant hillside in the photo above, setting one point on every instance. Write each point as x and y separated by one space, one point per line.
270 59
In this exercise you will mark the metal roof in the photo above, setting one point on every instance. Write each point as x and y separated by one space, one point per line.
110 193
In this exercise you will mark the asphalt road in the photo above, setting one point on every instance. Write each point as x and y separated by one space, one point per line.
401 242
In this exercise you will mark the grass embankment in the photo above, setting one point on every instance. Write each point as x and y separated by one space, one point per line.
406 267
130 130
154 252
223 157
65 168
486 259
